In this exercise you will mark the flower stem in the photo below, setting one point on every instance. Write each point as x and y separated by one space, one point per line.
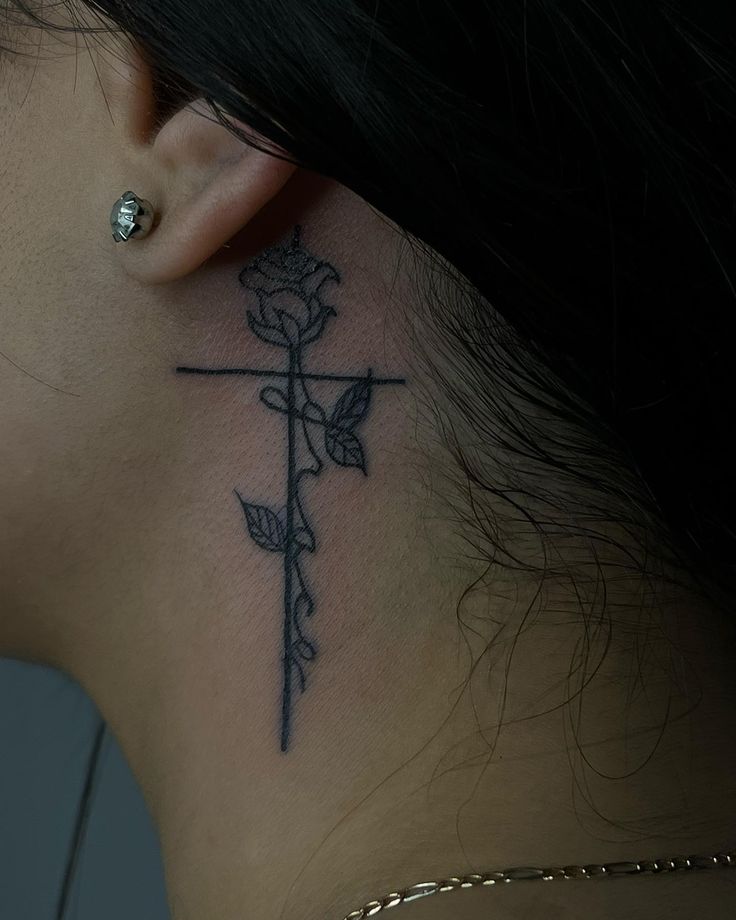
289 556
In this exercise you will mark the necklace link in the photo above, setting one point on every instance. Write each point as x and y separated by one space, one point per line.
546 874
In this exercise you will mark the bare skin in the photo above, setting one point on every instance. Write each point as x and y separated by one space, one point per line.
125 560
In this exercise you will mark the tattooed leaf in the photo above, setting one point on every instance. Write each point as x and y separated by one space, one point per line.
304 539
344 448
313 412
274 398
304 649
303 606
352 406
264 527
291 661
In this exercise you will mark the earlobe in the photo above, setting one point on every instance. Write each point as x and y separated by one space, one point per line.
204 206
204 183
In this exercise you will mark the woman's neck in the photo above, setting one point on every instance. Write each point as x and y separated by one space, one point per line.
389 780
443 716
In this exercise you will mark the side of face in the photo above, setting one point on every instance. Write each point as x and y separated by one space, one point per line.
91 416
116 476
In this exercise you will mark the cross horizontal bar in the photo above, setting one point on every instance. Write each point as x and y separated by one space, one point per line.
256 372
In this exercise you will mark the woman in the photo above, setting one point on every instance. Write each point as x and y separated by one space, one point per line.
365 411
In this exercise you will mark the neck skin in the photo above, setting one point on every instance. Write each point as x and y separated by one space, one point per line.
387 780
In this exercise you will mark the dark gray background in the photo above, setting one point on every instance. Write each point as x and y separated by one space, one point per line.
48 727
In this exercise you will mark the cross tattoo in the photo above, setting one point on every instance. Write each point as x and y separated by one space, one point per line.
287 285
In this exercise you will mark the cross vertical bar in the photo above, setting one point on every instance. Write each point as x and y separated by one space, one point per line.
289 548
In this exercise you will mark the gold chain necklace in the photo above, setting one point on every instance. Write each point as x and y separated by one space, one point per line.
524 873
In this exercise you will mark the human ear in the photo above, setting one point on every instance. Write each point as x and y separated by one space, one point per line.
204 183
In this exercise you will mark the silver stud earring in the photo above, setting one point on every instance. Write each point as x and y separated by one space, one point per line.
131 218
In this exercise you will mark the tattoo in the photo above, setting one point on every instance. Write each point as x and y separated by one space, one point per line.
286 284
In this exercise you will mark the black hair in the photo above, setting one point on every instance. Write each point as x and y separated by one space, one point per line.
574 161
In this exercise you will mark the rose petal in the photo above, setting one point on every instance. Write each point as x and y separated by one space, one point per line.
268 333
317 276
314 329
290 327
